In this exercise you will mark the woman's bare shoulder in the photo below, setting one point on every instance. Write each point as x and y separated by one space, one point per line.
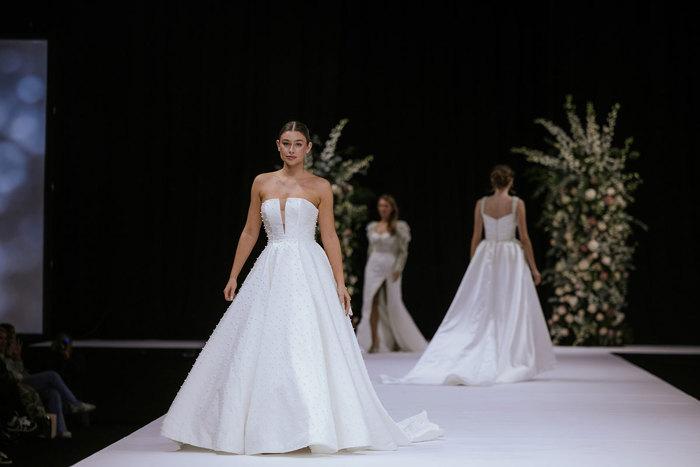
319 186
263 177
318 182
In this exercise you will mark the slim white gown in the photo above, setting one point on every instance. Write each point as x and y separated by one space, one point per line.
396 328
282 370
494 330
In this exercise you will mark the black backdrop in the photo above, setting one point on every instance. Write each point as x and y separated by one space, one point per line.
163 112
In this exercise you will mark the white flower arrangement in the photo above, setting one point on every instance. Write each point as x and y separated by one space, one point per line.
586 190
339 169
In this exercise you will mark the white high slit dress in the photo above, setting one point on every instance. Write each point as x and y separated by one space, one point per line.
282 370
494 330
396 329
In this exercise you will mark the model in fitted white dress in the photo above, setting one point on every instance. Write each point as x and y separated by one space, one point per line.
494 330
396 329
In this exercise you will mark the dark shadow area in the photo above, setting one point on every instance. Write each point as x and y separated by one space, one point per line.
164 112
680 371
131 388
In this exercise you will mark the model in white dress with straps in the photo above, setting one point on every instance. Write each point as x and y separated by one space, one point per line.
494 330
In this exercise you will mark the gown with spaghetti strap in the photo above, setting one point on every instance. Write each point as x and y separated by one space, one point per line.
282 370
494 330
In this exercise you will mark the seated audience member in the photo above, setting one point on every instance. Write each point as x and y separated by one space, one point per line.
13 419
67 363
48 384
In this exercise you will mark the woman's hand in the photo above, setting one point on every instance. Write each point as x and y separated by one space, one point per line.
230 290
396 275
536 276
344 297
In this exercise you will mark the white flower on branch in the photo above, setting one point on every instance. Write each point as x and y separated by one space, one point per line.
586 191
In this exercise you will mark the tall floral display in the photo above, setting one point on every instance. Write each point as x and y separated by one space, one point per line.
339 168
587 191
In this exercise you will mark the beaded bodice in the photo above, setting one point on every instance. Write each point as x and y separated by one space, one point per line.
396 245
299 223
383 242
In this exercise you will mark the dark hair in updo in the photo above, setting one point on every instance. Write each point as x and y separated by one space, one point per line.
295 126
501 176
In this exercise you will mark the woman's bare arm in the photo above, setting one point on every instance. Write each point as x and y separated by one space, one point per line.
247 240
331 244
478 228
525 240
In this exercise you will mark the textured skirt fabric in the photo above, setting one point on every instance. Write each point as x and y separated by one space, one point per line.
282 370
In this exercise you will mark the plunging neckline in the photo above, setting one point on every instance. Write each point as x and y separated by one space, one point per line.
283 212
290 197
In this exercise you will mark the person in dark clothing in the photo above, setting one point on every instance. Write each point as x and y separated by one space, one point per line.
67 363
48 384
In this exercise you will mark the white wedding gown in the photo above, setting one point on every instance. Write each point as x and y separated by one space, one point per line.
494 330
396 328
282 370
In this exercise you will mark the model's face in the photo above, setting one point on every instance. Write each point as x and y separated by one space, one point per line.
384 209
292 147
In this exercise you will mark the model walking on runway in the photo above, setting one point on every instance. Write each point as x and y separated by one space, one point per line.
494 330
386 324
282 370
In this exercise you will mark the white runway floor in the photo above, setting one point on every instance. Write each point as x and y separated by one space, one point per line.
594 409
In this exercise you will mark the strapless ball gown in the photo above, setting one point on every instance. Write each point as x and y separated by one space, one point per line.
282 370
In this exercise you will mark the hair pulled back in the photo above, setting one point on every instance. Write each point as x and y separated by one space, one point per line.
501 176
295 126
394 216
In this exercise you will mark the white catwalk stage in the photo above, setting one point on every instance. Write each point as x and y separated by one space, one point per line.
594 409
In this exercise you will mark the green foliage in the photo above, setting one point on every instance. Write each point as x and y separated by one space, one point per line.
586 190
340 169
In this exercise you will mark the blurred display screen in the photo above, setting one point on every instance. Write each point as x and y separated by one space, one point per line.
23 74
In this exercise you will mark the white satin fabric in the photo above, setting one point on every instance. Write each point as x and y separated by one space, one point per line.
494 330
282 370
396 329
